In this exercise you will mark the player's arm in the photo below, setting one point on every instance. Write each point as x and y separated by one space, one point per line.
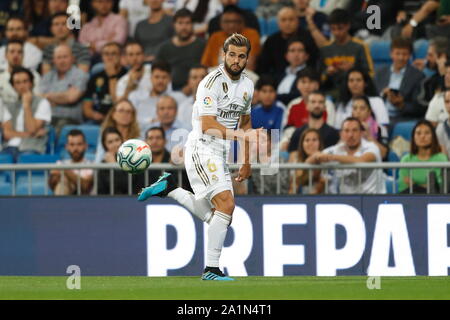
245 123
212 127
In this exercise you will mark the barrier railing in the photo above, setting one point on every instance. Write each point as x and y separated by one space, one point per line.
11 171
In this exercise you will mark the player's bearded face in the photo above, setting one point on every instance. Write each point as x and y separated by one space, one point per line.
235 60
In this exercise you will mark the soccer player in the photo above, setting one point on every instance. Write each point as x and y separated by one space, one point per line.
223 100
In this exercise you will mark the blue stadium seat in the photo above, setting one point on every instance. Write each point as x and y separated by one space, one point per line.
403 129
390 183
5 189
392 157
248 4
90 131
34 158
272 26
51 142
38 188
380 51
420 48
262 26
5 159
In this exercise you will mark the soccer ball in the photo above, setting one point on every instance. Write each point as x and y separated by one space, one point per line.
134 156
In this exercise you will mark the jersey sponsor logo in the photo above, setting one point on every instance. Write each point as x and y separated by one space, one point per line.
229 114
207 102
225 87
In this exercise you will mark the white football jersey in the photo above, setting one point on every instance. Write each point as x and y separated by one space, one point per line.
219 96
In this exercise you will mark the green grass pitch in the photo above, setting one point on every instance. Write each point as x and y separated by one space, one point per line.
251 288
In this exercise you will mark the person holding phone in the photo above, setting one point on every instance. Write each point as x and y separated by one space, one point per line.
399 83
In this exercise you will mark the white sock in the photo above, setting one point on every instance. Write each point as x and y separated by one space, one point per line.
199 208
216 237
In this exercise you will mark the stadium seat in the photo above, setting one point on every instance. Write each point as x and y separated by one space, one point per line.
392 157
248 4
380 51
272 26
38 188
34 158
262 26
5 189
391 182
5 159
420 49
90 131
403 129
51 142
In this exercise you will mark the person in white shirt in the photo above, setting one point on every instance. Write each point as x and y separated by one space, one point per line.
134 11
184 114
354 149
24 121
443 128
145 101
16 30
436 112
14 57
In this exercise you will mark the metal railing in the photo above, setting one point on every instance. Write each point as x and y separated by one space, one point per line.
13 170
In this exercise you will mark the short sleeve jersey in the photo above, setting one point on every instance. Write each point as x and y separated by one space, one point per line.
218 95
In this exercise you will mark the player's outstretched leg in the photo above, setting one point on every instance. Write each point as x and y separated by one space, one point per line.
166 186
160 188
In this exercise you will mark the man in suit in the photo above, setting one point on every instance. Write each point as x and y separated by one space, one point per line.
399 83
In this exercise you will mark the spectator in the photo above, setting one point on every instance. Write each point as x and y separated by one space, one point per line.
399 83
372 131
156 139
111 141
268 113
121 116
436 112
88 11
152 32
232 21
297 114
268 9
14 57
315 21
63 87
343 53
42 35
145 102
310 143
203 11
133 11
358 83
183 50
35 12
297 56
101 89
105 27
69 182
316 109
433 66
442 25
184 113
63 35
250 20
424 148
272 59
443 128
139 75
328 6
25 119
9 8
266 152
166 114
354 149
16 30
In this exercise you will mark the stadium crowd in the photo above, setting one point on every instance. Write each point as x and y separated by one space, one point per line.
335 88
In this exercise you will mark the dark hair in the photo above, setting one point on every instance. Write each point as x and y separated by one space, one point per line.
231 8
133 43
161 65
113 43
14 41
295 39
318 92
74 133
435 147
182 13
265 80
24 22
57 15
302 156
369 88
440 44
237 40
367 101
199 66
308 72
361 127
339 16
157 129
109 130
17 70
402 43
